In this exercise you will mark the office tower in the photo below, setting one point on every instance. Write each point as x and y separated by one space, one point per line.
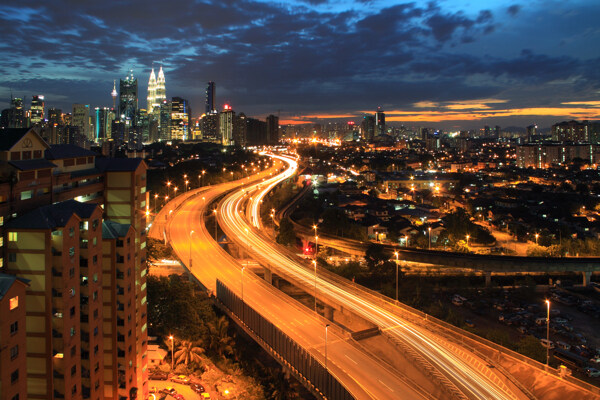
180 119
380 121
114 94
571 131
151 98
13 354
37 109
81 119
102 122
226 125
164 123
240 130
14 117
256 132
210 98
55 117
210 127
128 98
272 129
367 127
160 93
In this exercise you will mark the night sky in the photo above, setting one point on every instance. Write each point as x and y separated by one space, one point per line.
455 63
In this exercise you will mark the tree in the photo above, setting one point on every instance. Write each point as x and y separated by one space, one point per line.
531 347
188 352
286 235
219 340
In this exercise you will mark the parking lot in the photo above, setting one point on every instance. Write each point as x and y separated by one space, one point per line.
184 390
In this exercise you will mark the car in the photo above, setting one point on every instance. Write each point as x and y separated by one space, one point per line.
159 376
181 379
547 343
469 323
168 390
592 372
198 388
560 320
595 360
563 345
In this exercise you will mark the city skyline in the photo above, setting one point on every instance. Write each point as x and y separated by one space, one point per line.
448 64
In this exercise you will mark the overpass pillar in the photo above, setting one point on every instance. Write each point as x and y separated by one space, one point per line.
488 278
268 276
587 278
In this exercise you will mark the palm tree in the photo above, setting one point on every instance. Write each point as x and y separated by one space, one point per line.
219 341
188 352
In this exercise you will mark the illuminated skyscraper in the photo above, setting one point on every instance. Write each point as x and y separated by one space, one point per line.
180 119
368 127
210 98
161 92
114 94
102 121
151 99
128 97
272 129
81 119
226 118
380 121
37 109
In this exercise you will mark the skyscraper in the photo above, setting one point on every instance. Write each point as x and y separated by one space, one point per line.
226 118
114 94
368 127
37 109
180 119
102 121
210 97
272 129
161 92
151 99
81 119
164 127
128 97
380 121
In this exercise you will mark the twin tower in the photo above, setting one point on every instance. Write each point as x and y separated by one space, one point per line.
157 92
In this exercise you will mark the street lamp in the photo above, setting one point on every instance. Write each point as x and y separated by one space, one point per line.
537 235
175 189
326 327
548 334
155 197
186 185
315 265
396 254
316 241
172 352
168 187
191 233
429 229
215 211
468 240
243 268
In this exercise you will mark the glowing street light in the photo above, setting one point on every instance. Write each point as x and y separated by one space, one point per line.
396 254
315 265
548 334
191 233
468 240
429 229
186 185
326 327
537 235
172 352
215 212
155 197
168 187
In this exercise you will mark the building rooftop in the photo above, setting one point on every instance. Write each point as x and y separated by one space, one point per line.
52 216
28 165
60 151
114 230
6 282
117 164
10 136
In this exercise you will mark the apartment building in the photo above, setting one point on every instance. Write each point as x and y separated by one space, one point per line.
44 192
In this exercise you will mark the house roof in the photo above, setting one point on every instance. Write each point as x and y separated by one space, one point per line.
52 216
114 230
10 136
6 282
60 151
118 164
28 165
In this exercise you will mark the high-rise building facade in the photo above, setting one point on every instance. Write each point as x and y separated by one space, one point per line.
570 131
37 109
367 127
81 119
180 119
210 98
272 129
380 121
160 94
102 122
210 127
14 117
151 98
128 98
226 118
164 123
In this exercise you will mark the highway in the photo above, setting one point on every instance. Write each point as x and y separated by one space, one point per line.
363 376
471 381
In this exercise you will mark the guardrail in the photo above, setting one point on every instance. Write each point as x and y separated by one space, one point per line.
302 362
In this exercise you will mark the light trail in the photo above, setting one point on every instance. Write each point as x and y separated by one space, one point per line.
472 382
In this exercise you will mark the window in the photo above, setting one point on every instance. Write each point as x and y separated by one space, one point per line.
72 311
14 352
95 241
1 241
72 292
95 295
96 349
94 224
12 236
72 251
96 313
74 389
71 232
15 155
37 154
2 218
71 272
96 331
73 351
73 370
14 302
95 259
72 331
96 277
14 376
14 327
26 194
27 155
15 397
12 257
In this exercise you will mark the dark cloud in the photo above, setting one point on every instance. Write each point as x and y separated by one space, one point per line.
514 9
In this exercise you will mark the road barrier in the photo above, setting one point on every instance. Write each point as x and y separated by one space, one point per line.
295 356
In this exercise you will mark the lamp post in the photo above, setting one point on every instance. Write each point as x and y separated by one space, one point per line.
429 230
175 189
537 235
396 254
548 334
316 241
172 352
315 265
215 212
243 268
326 327
191 233
168 188
468 240
155 197
186 185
